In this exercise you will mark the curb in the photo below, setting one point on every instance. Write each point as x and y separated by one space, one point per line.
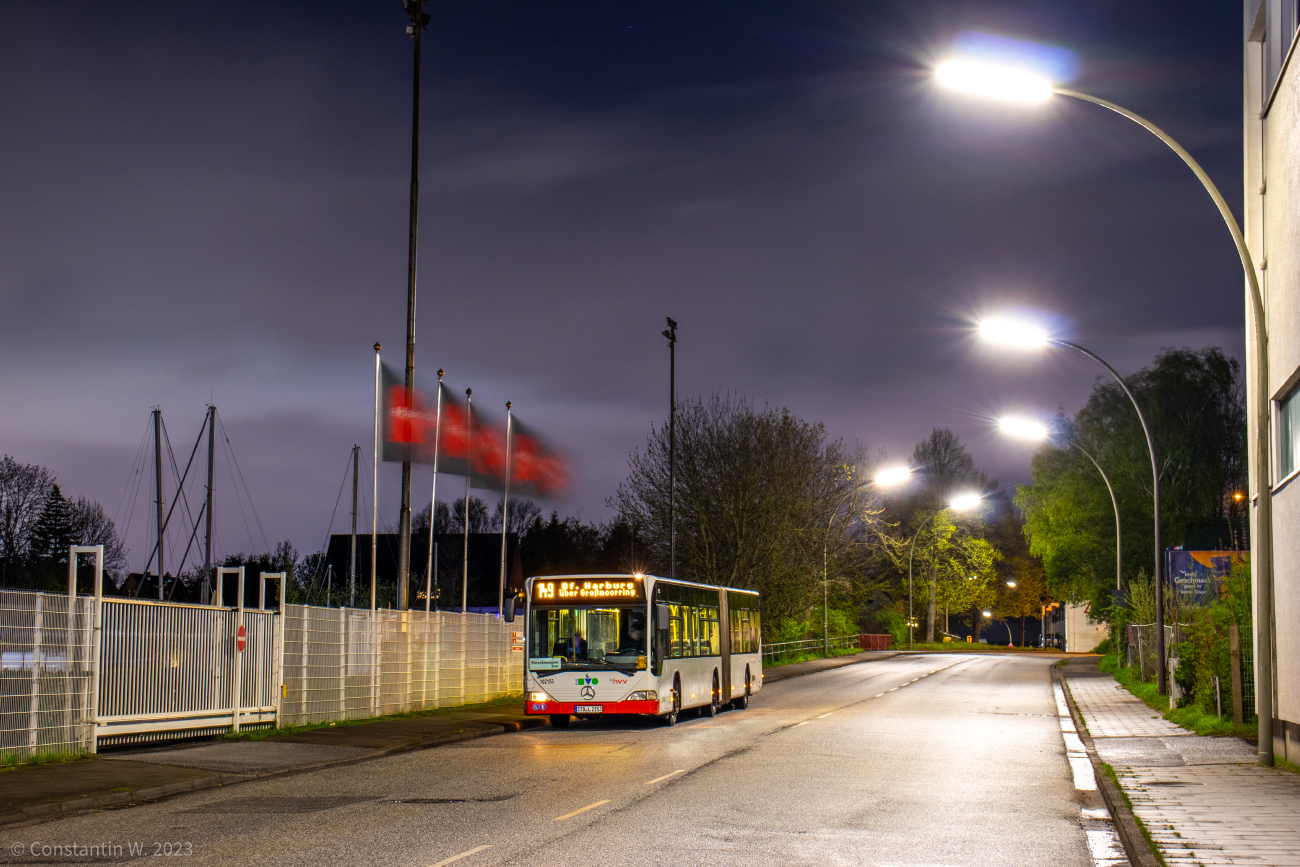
58 809
779 673
1136 847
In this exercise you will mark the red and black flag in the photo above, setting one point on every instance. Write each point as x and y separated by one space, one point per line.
409 423
536 469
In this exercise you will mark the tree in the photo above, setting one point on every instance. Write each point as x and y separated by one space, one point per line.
761 494
523 514
24 490
88 525
1194 404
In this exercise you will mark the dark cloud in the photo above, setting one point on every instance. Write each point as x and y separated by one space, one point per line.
211 205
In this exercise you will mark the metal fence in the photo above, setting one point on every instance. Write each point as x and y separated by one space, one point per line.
170 668
45 674
808 645
345 663
1142 646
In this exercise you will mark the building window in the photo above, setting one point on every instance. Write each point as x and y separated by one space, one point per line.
1288 434
1280 22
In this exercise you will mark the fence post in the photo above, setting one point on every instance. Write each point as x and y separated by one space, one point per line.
1234 655
343 661
96 639
236 655
33 714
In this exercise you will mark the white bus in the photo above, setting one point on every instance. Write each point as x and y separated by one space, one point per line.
590 654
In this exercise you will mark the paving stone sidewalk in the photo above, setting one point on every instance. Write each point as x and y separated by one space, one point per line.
1202 799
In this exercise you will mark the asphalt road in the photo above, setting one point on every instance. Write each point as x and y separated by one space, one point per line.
912 760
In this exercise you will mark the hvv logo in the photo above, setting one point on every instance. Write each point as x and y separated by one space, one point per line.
586 681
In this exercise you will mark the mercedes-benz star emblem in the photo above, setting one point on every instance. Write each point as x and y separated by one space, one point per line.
588 692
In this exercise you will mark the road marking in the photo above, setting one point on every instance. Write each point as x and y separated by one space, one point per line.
576 812
454 858
891 690
664 777
878 695
823 716
804 723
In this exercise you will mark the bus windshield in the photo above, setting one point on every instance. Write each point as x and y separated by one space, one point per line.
599 638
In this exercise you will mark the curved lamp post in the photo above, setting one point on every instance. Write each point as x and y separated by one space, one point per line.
959 503
1028 429
1011 83
1011 332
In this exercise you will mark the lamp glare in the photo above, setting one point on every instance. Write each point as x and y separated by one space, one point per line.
1023 428
992 80
965 502
1013 332
893 476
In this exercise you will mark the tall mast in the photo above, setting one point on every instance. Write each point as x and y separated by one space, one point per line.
352 555
505 512
374 500
157 477
671 333
469 469
433 500
207 534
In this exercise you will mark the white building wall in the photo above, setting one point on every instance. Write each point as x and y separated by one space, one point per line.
1271 145
1081 634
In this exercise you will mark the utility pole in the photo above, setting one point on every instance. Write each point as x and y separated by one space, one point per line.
207 535
671 333
419 22
157 476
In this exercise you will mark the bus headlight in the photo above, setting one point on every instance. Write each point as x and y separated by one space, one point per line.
538 696
643 695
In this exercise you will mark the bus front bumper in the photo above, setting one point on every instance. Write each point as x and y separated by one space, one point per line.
546 708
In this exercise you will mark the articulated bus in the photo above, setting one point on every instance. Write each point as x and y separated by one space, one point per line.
598 645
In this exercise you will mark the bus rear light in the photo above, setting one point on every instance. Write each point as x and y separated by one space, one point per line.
643 695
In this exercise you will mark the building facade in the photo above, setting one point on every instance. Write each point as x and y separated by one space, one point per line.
1271 211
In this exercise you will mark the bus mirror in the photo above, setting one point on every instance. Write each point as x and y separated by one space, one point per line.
508 611
661 616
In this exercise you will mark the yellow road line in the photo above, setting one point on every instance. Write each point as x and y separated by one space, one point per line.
664 777
454 858
823 716
576 812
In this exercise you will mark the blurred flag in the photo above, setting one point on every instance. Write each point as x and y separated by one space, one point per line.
408 426
536 469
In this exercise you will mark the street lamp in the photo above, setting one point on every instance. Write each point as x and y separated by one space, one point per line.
885 478
1010 82
963 502
1015 333
1032 430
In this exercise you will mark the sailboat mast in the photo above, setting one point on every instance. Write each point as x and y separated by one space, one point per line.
157 476
207 534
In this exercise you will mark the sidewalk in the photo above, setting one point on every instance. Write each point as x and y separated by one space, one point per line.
1203 800
118 777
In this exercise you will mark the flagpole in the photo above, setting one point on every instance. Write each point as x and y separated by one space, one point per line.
433 497
374 498
505 512
469 469
671 333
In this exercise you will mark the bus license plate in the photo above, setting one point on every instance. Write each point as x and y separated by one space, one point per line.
589 708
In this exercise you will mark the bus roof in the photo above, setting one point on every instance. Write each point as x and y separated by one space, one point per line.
652 577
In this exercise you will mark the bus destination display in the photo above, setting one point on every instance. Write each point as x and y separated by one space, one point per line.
586 590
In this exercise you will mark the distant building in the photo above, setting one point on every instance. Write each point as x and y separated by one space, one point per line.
1272 226
1081 634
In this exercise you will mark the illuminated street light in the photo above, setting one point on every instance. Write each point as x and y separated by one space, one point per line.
1031 430
1004 82
988 614
1013 331
1016 333
965 502
891 476
1023 428
1011 584
1008 80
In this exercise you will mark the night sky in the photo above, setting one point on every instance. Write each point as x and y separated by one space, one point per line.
208 202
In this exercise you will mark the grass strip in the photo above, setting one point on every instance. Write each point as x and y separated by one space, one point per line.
1191 718
11 760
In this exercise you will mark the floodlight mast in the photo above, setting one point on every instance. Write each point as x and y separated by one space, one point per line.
1259 420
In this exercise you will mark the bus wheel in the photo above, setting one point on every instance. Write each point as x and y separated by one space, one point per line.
560 720
714 698
670 718
742 702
